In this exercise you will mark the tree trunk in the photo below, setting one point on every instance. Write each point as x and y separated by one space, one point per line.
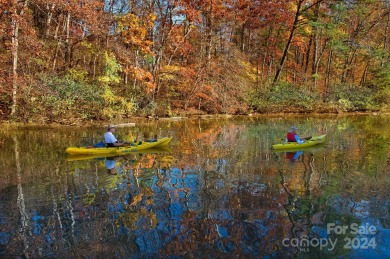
298 12
265 56
94 67
242 37
126 74
49 17
15 49
364 76
24 218
347 68
286 49
314 68
209 31
327 77
67 39
54 62
307 60
385 39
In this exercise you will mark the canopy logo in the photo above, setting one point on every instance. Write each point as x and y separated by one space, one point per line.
304 243
363 240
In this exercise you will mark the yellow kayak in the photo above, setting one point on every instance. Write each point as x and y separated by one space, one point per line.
91 150
78 157
294 145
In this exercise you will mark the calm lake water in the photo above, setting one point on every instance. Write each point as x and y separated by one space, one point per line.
218 191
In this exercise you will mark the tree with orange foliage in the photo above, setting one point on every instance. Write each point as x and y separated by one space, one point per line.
301 6
134 33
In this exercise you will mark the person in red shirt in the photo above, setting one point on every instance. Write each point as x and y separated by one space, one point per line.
293 156
292 136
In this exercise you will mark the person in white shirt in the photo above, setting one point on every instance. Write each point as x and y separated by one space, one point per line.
110 139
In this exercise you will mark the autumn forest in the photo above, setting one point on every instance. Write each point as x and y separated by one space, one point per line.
76 60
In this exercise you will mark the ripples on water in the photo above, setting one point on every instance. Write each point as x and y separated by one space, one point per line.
219 192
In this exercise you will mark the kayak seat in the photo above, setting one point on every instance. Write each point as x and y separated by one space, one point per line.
99 144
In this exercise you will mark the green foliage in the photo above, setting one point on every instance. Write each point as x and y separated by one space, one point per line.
287 94
381 77
282 95
354 98
149 59
66 97
111 69
382 97
78 75
345 105
89 198
151 109
257 99
116 106
68 88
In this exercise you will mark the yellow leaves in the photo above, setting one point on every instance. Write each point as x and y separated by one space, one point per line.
87 45
150 18
137 199
109 96
168 73
166 161
115 104
177 78
130 29
308 30
111 69
170 69
77 74
104 79
249 70
166 77
134 31
292 6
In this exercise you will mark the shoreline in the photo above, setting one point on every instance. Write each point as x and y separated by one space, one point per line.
132 121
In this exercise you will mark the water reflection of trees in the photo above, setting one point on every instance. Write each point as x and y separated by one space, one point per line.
165 212
218 193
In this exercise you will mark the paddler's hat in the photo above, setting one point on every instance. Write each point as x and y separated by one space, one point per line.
292 129
110 126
